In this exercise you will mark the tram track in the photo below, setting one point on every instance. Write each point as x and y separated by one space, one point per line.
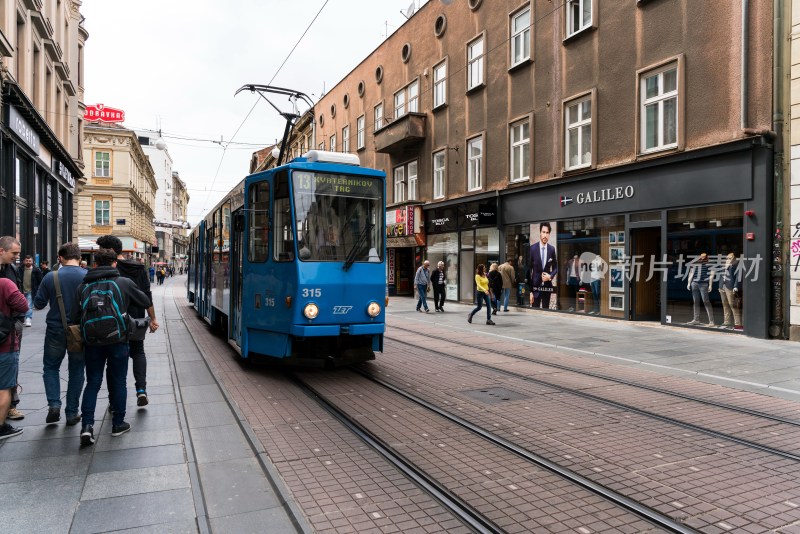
458 506
792 423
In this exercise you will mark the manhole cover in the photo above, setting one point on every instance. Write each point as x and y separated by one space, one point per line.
493 395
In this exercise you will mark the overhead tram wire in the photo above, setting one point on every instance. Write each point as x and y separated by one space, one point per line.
225 148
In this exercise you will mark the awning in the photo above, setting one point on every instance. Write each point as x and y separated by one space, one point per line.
87 244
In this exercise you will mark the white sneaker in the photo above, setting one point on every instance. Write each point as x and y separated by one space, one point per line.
693 321
28 321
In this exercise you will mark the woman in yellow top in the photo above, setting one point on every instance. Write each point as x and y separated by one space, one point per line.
482 294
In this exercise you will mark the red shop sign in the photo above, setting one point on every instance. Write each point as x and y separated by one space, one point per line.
103 113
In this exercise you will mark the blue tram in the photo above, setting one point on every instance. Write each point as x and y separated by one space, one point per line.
290 264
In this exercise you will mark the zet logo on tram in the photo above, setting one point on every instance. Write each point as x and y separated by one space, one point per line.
341 310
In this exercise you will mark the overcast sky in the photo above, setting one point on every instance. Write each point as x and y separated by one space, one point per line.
175 64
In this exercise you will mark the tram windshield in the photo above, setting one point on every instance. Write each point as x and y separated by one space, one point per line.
339 217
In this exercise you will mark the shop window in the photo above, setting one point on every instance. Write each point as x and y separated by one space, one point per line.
444 248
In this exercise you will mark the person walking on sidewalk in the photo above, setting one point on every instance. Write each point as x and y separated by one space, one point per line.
9 254
482 284
422 280
134 271
12 304
509 281
439 283
70 276
104 299
31 278
495 287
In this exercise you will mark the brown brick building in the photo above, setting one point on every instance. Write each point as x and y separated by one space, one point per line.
642 132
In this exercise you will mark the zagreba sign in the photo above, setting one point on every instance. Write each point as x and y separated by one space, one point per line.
103 113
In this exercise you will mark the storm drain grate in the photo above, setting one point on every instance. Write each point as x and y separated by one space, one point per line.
493 395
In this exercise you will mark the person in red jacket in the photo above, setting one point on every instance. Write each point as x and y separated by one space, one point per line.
12 303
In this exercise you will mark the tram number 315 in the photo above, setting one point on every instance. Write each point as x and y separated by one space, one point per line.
312 292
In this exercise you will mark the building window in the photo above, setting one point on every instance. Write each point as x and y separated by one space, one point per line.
412 180
659 112
322 145
440 84
413 97
399 184
378 117
406 100
520 37
438 174
475 63
333 142
360 132
475 157
102 212
102 164
399 104
520 151
579 16
346 139
578 120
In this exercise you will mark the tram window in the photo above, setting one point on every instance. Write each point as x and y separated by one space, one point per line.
259 222
284 234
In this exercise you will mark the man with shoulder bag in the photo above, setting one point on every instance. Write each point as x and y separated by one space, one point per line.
103 301
58 291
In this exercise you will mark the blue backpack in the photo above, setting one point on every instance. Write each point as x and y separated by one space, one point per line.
102 319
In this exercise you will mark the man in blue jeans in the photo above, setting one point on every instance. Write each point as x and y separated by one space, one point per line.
70 276
106 277
422 280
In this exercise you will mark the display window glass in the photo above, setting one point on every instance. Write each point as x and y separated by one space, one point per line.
444 248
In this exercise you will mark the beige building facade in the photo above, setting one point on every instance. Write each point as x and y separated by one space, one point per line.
180 236
642 133
41 160
120 191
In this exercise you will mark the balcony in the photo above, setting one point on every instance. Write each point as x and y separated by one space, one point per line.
400 134
33 4
6 50
42 24
53 49
62 69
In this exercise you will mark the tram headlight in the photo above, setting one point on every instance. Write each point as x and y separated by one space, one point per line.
311 311
374 309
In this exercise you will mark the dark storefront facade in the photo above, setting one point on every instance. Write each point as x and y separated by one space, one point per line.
628 241
37 180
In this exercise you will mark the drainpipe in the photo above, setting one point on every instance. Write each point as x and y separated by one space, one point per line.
745 61
778 326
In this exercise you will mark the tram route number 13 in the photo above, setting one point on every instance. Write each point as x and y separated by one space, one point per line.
312 292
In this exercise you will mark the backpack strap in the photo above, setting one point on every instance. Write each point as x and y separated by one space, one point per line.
60 300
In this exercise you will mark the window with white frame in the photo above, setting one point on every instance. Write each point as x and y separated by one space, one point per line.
360 132
333 143
102 212
378 117
579 16
399 184
475 63
412 180
520 151
399 104
659 113
102 164
438 174
413 96
322 145
440 84
346 139
474 160
578 121
521 37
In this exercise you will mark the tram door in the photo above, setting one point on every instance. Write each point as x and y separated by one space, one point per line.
237 244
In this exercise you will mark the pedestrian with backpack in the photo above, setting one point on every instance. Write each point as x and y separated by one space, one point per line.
104 298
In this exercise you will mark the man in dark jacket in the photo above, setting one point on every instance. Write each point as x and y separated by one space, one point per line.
31 278
136 272
9 255
115 355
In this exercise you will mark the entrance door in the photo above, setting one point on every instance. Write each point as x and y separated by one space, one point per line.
237 244
645 248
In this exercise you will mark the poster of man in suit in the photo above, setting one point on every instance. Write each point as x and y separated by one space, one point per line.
544 265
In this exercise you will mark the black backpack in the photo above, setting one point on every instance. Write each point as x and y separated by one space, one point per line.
102 319
6 326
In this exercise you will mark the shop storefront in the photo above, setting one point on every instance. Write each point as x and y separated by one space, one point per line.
37 180
405 241
682 240
462 235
